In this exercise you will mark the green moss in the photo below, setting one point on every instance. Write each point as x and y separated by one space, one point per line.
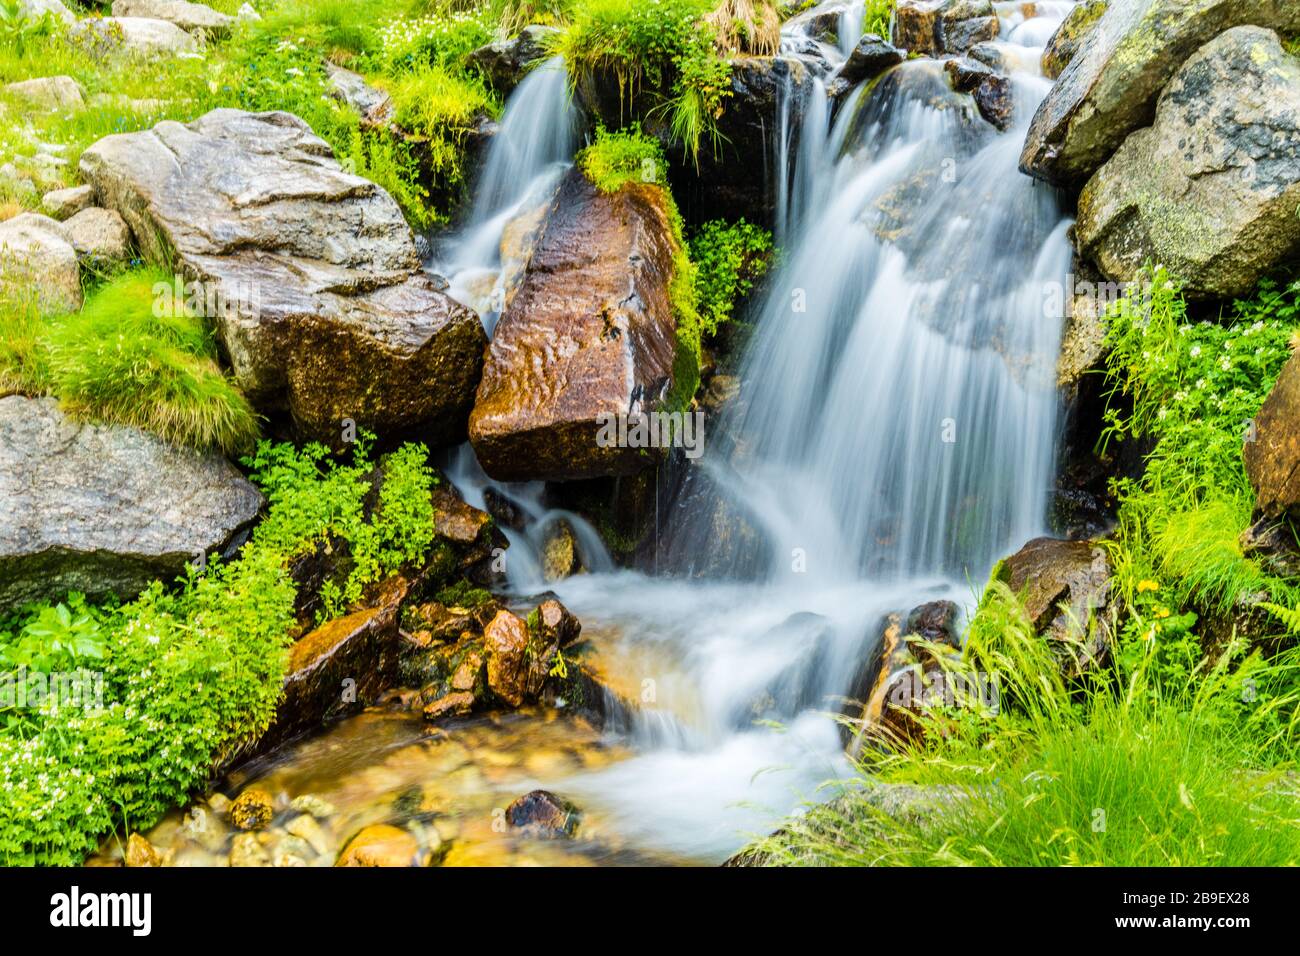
464 594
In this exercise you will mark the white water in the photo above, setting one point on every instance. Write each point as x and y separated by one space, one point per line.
531 150
898 437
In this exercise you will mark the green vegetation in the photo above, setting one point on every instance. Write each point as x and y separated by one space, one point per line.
729 258
189 673
1137 766
627 156
879 17
130 357
1174 750
663 51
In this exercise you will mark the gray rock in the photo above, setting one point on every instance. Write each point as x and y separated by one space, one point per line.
1110 87
35 9
323 309
105 510
138 36
504 63
99 234
1070 35
375 107
1210 190
50 92
62 203
186 15
36 253
932 27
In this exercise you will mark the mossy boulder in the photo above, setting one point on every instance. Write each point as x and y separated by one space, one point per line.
591 333
1110 87
1210 189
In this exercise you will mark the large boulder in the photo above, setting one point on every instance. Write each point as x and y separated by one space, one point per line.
48 92
589 335
321 304
1210 190
1110 87
35 9
182 13
105 510
37 256
1272 451
504 63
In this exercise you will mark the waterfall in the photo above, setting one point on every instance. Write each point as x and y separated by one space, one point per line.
895 436
530 151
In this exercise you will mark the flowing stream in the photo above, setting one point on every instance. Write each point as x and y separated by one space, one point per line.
894 436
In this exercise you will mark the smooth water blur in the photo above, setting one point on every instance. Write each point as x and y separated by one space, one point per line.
530 151
895 436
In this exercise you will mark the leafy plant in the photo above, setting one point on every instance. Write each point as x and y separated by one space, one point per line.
730 258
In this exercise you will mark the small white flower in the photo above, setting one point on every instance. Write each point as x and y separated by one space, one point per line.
1196 350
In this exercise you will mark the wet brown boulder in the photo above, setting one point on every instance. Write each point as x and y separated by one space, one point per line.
589 335
1272 450
1210 188
1110 87
506 640
339 667
991 90
555 624
559 551
311 273
1064 587
543 814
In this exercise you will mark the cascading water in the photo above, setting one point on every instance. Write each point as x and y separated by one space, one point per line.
528 154
893 436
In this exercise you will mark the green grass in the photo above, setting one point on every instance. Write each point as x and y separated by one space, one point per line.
879 17
122 361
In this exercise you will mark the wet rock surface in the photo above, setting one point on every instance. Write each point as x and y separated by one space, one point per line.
590 334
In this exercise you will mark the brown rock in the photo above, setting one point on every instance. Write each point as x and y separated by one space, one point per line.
382 845
559 551
252 810
140 852
457 704
1272 452
506 640
543 814
454 519
557 624
590 333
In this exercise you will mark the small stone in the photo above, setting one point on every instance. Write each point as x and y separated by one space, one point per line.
247 850
253 810
382 845
62 203
99 234
220 804
450 705
318 807
140 852
306 828
541 813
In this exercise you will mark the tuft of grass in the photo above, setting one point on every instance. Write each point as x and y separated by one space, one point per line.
121 360
746 26
879 18
615 159
23 362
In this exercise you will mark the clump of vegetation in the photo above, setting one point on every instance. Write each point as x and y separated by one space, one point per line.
615 159
129 357
441 108
746 26
879 17
190 672
665 51
729 259
1193 388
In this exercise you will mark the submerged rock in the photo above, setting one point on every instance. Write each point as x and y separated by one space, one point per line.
382 845
320 302
1110 87
252 810
590 335
140 852
1210 189
105 509
559 551
543 814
